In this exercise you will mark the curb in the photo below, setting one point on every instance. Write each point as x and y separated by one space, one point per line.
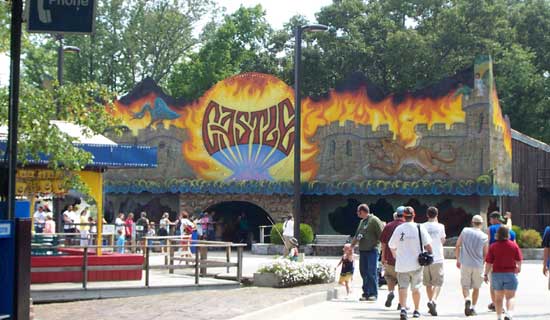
274 311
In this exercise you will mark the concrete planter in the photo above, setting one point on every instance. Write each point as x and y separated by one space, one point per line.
267 280
528 253
277 249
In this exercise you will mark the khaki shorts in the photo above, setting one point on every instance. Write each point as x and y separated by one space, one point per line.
412 278
433 275
390 275
471 278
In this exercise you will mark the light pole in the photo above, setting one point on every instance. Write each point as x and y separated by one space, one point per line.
297 121
61 49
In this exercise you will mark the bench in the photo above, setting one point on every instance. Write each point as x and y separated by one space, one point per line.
329 244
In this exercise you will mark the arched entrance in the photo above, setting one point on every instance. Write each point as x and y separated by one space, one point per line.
238 221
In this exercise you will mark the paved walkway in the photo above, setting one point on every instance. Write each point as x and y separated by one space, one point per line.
533 300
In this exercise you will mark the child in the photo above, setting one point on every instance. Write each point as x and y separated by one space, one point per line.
346 273
151 233
293 253
120 241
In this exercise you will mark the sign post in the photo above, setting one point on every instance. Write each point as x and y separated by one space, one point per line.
61 16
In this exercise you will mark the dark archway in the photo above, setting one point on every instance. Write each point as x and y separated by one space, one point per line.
227 219
382 209
344 219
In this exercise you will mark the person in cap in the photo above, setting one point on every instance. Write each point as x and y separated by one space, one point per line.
434 273
368 237
405 244
470 251
387 257
495 218
288 233
293 252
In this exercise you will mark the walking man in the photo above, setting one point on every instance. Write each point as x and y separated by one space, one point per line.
470 251
434 274
405 246
288 233
387 257
368 236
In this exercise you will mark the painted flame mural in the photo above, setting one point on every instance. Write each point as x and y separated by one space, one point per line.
242 129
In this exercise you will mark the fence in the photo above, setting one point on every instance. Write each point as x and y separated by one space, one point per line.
199 262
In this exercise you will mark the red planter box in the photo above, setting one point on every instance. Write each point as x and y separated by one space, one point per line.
74 260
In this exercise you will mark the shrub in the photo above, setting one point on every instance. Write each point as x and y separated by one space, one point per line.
306 234
299 273
518 232
530 239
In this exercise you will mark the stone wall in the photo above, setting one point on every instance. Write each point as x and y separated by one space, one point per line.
277 206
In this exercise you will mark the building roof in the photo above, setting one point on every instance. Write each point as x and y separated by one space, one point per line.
105 152
516 135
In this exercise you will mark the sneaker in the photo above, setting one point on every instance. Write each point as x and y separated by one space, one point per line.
363 298
431 308
491 307
389 299
416 314
372 298
403 315
507 317
473 312
468 308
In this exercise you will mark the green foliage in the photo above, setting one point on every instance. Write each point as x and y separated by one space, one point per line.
306 234
238 44
83 105
530 239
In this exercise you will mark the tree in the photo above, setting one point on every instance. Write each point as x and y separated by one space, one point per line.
83 105
135 39
240 43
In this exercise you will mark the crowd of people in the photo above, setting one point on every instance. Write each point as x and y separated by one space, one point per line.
412 257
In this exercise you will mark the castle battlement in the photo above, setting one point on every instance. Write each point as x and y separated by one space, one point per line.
440 130
349 127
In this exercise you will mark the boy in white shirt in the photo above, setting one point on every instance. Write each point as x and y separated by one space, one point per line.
433 274
405 246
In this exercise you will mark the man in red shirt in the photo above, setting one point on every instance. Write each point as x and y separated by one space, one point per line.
387 257
504 260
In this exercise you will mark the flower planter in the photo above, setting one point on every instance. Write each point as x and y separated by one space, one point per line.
267 280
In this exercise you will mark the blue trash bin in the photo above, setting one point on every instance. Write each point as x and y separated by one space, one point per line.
194 238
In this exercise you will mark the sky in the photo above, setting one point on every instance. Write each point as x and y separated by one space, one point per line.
278 12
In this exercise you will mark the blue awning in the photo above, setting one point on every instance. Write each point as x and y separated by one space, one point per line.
106 156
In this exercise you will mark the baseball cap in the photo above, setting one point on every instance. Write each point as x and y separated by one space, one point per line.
477 219
399 211
495 215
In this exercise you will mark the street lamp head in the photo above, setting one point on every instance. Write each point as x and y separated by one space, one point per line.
314 28
72 49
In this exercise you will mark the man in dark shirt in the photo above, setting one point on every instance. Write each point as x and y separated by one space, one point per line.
387 257
368 237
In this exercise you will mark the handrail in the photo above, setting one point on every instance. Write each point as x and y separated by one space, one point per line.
200 262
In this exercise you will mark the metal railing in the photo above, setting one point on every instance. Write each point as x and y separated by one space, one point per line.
199 261
263 233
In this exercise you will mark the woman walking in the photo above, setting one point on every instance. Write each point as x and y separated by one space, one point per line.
504 261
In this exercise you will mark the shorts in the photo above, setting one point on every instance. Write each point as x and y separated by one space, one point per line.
390 275
433 275
345 277
471 278
412 278
504 281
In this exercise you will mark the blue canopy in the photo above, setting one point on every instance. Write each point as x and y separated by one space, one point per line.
106 156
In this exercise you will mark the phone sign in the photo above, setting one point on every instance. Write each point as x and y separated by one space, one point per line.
61 16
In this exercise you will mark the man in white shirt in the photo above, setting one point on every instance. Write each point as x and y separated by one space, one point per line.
68 219
39 219
433 274
288 233
405 246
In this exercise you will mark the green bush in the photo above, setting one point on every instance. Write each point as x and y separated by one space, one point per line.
530 239
306 234
518 232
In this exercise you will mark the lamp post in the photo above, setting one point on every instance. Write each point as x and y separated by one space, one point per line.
297 121
61 49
